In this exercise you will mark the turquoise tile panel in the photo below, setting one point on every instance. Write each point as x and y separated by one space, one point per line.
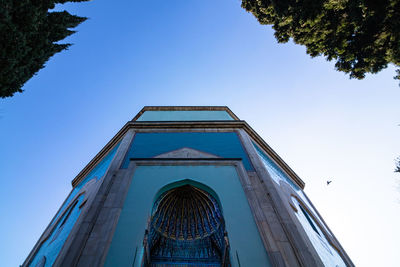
279 176
222 144
98 173
328 255
126 248
52 246
276 173
185 115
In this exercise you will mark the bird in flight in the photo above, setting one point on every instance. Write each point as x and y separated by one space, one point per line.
328 182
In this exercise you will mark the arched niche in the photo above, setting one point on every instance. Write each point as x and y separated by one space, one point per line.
186 227
179 183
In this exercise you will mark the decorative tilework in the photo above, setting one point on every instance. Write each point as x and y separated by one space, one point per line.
187 227
222 144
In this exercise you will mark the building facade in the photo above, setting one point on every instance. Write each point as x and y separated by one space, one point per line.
187 186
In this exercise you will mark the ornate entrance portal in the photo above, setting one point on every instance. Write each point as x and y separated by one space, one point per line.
186 229
189 177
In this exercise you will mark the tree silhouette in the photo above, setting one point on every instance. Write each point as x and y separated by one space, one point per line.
362 36
28 38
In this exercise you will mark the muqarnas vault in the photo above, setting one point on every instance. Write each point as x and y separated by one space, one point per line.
187 186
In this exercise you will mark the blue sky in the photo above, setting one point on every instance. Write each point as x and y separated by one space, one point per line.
135 53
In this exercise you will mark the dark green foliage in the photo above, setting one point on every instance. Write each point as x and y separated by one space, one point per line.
28 36
360 35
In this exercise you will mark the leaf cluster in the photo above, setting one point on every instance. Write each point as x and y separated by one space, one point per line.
362 36
29 33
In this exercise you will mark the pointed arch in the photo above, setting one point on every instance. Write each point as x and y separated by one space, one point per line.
186 227
188 182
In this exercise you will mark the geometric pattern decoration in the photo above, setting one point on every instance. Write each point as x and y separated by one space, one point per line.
187 228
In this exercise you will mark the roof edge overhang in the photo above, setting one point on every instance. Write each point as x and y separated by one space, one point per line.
185 108
187 125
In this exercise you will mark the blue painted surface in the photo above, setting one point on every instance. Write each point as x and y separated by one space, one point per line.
52 246
223 180
185 115
223 144
98 173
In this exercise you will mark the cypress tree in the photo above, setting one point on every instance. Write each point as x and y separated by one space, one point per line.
29 33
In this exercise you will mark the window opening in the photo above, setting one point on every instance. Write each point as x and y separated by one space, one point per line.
61 226
309 220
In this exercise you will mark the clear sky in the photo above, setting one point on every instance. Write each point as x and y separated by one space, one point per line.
135 53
